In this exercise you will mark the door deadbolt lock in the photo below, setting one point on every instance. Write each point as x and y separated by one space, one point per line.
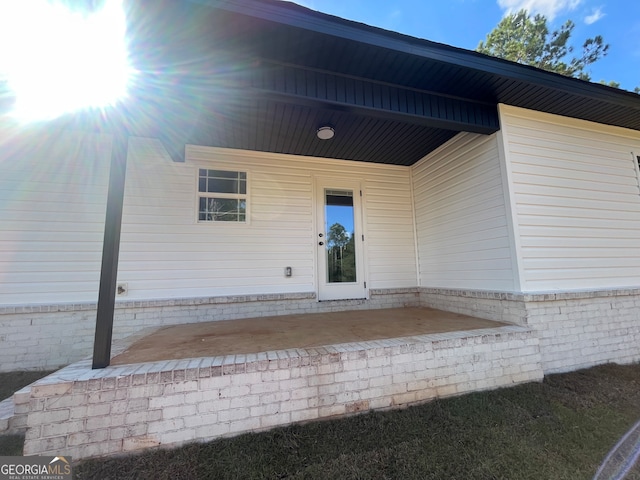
321 235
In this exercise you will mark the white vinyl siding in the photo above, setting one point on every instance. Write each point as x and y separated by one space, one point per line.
166 253
389 230
461 219
53 194
577 201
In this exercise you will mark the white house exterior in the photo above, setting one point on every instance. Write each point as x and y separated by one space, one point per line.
534 222
533 225
551 231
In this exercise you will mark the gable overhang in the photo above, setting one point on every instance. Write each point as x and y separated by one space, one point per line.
264 75
391 98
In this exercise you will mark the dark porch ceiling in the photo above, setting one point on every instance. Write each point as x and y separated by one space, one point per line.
234 80
264 75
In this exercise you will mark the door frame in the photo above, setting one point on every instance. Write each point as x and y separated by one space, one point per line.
351 291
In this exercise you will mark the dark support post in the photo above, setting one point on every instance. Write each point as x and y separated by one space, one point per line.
110 251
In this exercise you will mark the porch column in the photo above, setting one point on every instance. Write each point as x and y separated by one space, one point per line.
110 250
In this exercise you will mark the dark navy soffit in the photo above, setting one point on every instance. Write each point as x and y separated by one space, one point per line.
291 14
264 75
302 86
303 66
250 84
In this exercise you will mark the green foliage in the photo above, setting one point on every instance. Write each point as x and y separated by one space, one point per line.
610 83
337 236
341 254
521 38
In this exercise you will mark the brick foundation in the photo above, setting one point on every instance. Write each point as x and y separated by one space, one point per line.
579 331
49 336
85 413
576 329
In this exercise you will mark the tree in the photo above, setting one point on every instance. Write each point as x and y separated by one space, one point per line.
337 240
525 39
610 83
337 236
341 254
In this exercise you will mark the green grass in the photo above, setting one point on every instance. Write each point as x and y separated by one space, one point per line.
559 429
11 445
11 382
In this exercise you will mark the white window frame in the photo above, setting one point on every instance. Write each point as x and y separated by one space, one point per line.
636 165
221 195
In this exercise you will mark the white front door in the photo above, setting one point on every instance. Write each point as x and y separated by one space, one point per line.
340 241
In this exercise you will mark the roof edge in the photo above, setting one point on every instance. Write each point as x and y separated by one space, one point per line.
288 13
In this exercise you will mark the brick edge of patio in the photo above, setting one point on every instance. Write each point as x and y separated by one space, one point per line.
89 413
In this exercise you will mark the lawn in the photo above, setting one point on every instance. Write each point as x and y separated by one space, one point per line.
11 382
561 428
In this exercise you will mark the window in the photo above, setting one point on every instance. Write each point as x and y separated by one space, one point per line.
222 196
636 166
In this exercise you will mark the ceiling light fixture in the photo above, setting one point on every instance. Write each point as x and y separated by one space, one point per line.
325 133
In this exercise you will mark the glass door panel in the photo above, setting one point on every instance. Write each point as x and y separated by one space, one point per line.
340 247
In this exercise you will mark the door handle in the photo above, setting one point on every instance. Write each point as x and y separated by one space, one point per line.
320 243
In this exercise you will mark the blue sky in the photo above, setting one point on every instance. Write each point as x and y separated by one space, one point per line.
463 23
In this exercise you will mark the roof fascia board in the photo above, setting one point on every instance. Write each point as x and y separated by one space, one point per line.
294 16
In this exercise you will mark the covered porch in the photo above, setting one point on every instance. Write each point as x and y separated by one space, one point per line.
197 382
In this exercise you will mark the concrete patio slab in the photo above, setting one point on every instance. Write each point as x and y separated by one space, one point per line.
251 335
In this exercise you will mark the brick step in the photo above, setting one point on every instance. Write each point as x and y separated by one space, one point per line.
6 414
13 419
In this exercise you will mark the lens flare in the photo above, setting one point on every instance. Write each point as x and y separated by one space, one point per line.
56 60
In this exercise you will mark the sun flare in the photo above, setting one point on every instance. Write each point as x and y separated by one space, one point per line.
56 60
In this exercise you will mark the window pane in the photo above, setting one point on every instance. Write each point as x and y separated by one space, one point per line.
203 212
222 209
216 185
220 181
222 174
340 247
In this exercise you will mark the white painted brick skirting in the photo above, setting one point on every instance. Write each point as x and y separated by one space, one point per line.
85 413
576 329
50 336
